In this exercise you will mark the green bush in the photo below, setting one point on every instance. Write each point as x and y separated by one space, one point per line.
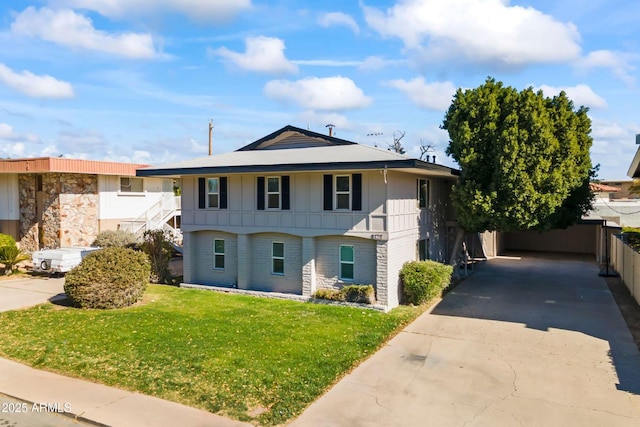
6 240
359 293
118 238
108 278
11 256
350 293
424 280
330 294
157 245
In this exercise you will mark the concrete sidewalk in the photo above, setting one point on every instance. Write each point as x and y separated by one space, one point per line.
529 342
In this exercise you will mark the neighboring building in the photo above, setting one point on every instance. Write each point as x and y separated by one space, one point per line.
297 210
52 202
615 202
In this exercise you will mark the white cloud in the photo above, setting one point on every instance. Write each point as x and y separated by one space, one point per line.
580 95
339 18
613 147
432 96
7 133
35 86
198 10
263 54
330 93
618 62
318 121
373 63
71 29
479 31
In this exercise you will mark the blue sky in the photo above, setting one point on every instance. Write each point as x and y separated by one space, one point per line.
139 80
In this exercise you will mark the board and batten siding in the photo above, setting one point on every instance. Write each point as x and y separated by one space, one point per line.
306 215
9 198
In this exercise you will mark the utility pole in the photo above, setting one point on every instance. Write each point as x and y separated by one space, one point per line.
210 132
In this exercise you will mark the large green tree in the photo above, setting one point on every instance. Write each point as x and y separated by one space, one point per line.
524 158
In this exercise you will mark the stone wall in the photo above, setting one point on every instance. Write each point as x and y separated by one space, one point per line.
63 214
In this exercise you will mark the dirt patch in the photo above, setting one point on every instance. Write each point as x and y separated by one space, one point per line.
628 306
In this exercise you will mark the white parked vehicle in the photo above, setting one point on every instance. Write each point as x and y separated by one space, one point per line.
58 261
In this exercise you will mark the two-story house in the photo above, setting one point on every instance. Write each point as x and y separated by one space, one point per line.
297 210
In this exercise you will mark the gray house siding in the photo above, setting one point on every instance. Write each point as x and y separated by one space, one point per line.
202 262
262 276
328 261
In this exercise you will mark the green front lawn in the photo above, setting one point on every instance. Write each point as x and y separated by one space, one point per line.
253 359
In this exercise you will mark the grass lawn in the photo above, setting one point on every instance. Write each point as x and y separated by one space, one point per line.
253 359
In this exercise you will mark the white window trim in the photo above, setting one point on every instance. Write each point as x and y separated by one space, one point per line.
279 192
130 193
209 193
224 257
427 196
273 257
340 262
336 192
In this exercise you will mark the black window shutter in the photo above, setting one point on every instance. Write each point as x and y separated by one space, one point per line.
356 195
202 193
261 193
223 192
328 192
286 205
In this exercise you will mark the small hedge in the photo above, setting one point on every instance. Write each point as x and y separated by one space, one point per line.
350 293
109 278
119 238
424 280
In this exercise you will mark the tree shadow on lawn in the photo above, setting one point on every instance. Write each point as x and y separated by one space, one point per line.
545 292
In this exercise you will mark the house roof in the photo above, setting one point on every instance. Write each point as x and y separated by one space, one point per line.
62 165
292 149
634 169
603 188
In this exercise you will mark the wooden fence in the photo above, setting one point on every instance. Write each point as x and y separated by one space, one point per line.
626 261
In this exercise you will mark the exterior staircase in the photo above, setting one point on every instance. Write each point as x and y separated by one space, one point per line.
164 215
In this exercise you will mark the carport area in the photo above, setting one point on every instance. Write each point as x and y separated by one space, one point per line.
529 340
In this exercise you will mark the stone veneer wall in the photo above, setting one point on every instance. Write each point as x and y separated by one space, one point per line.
70 210
78 209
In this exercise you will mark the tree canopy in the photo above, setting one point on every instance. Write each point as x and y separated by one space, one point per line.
524 158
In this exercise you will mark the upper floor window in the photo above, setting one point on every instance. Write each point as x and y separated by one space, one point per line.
130 184
273 192
213 192
423 193
343 192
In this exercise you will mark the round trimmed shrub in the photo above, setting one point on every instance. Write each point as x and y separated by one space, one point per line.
424 280
108 278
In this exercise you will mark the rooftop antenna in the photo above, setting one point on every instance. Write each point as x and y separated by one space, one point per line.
210 132
330 126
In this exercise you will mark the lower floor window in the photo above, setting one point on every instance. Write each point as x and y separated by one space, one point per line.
277 258
218 254
347 261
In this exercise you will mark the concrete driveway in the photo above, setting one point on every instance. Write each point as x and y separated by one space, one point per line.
524 341
29 291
